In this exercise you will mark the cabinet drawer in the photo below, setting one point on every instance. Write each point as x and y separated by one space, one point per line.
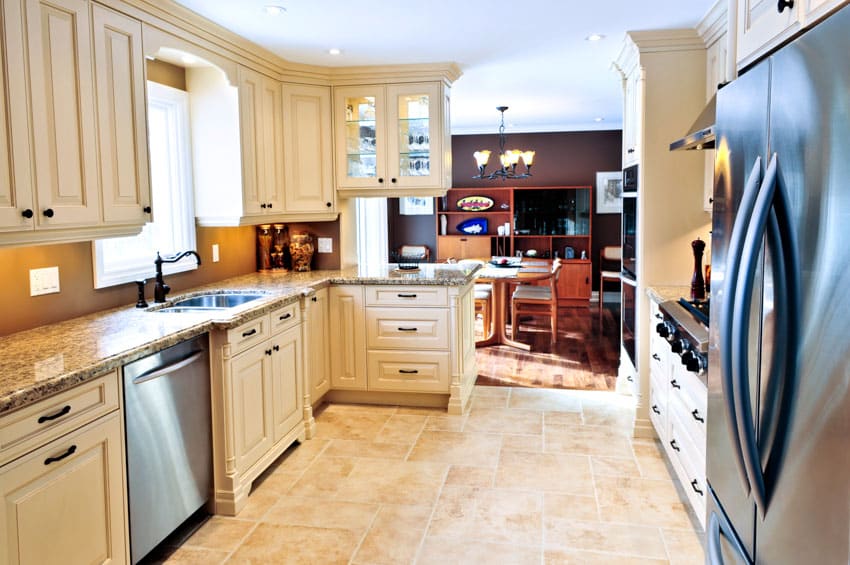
407 328
692 396
691 417
407 296
33 426
408 371
248 334
689 462
658 408
286 317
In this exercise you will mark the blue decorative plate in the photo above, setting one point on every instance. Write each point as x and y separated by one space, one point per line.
473 226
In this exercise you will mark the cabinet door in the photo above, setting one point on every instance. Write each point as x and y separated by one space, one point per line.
58 39
15 181
309 186
463 247
121 112
287 378
632 117
762 26
272 146
361 143
574 282
317 332
414 135
348 337
251 382
65 502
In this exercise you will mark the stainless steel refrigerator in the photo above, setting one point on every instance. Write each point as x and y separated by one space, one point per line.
778 462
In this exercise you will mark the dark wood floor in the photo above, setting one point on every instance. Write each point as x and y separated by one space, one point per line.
584 357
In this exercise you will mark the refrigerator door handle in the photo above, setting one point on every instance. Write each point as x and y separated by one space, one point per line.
719 528
727 314
741 335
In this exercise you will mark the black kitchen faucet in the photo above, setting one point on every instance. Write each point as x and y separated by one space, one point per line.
160 290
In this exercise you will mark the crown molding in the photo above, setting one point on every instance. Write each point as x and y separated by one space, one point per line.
660 41
381 74
713 25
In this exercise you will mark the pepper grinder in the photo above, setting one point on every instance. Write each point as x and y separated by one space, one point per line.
697 282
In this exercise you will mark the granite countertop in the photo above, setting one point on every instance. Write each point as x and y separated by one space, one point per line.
47 360
661 294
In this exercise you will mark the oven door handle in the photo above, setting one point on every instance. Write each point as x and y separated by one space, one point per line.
727 314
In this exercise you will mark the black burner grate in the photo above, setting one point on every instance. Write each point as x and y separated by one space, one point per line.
699 309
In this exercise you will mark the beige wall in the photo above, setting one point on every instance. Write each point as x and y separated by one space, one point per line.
167 74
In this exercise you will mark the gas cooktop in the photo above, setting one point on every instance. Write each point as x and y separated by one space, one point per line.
699 309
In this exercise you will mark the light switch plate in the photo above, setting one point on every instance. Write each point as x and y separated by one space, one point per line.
44 281
215 256
326 245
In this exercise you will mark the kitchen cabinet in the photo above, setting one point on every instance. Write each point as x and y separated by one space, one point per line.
347 337
258 379
307 147
122 117
632 115
65 477
715 74
391 140
574 282
261 125
763 25
318 330
463 247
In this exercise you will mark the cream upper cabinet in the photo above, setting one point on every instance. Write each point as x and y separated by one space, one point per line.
391 140
632 90
307 151
261 123
59 67
348 337
121 113
715 74
318 326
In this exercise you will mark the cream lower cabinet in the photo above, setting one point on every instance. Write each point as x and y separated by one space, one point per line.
317 337
258 379
64 499
347 337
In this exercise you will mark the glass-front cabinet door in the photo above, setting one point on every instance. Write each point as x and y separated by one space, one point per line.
361 142
414 140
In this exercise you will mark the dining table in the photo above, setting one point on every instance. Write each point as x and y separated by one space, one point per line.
501 276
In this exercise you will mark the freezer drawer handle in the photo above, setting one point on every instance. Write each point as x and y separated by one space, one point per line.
695 486
697 417
655 409
68 453
675 445
65 409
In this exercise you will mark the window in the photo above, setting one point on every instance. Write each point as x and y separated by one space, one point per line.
372 231
126 259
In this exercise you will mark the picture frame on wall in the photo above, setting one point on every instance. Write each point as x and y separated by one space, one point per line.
416 206
609 192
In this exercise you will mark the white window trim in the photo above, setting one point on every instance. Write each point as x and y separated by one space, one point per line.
180 172
372 247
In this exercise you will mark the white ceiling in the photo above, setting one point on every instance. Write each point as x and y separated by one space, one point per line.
530 55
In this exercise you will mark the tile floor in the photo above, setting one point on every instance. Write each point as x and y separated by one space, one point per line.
526 476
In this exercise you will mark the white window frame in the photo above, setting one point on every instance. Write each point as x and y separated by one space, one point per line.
372 246
120 260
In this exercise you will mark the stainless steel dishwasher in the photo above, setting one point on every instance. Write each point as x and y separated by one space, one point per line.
169 443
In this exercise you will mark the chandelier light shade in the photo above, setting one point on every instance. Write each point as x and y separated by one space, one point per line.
508 159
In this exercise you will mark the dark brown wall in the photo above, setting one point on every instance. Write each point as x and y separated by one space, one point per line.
564 158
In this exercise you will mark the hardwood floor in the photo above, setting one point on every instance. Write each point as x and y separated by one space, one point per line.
585 356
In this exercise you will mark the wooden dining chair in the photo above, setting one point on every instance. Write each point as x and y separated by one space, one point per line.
537 301
607 255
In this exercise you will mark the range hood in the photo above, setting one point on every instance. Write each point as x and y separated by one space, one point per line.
701 133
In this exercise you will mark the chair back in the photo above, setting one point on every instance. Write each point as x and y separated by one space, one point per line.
553 280
415 252
611 253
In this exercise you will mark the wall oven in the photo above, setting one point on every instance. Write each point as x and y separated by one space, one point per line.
629 290
629 269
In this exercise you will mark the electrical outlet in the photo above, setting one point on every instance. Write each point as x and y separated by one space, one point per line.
215 257
44 281
326 245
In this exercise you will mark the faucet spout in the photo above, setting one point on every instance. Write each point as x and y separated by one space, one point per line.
160 289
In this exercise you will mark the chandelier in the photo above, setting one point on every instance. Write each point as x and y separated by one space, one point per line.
508 159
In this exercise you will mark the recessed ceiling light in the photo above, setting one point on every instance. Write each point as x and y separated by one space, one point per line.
595 37
189 59
274 10
334 51
598 119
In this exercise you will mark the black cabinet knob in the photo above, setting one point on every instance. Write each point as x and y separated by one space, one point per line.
263 205
393 180
314 299
27 213
269 205
276 348
48 213
147 209
381 180
328 204
782 4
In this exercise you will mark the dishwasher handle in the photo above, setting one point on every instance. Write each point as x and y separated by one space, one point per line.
162 371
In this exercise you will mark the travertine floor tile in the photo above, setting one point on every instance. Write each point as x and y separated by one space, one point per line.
323 478
299 456
562 418
195 556
641 501
436 551
571 557
402 428
463 475
220 533
460 448
650 459
395 536
570 507
297 511
296 545
523 443
258 504
614 466
446 422
393 482
627 539
362 423
545 399
683 547
370 449
543 472
588 440
504 421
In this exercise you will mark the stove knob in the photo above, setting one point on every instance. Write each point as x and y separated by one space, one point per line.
665 329
694 362
679 346
688 357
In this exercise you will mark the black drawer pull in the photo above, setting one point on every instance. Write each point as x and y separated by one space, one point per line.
655 409
249 332
675 383
27 213
48 213
65 410
406 295
276 348
268 352
408 329
286 316
694 485
697 417
675 445
782 4
68 453
314 299
659 316
656 357
408 371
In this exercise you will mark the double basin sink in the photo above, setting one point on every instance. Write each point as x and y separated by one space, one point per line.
216 302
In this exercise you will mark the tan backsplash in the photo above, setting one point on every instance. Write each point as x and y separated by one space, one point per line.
78 297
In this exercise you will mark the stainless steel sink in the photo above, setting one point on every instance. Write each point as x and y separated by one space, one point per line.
211 302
